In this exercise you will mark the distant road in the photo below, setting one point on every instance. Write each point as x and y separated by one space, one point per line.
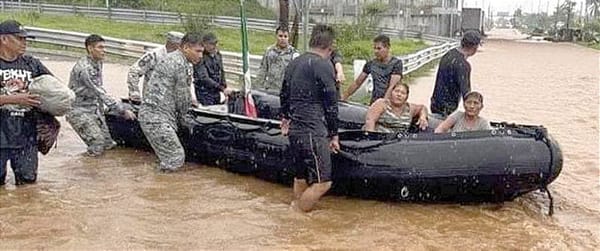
507 34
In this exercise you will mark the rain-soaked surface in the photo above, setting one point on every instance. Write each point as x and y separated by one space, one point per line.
120 201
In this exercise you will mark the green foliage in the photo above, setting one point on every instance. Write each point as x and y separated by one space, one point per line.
199 24
361 29
32 16
355 40
371 14
356 43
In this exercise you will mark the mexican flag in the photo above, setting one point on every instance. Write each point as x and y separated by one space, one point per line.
249 107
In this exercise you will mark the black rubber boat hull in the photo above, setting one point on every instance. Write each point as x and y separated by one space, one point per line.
487 166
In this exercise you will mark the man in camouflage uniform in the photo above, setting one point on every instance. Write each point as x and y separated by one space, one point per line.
145 65
274 62
87 115
168 98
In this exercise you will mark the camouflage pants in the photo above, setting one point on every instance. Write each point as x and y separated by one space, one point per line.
91 128
163 139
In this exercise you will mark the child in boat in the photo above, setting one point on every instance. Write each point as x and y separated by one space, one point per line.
469 120
394 114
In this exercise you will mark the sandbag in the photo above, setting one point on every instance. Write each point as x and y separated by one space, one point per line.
56 98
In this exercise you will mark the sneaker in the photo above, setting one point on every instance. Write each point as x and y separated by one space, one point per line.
167 168
110 145
93 154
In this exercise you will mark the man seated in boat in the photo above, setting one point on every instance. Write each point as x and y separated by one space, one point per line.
469 120
395 114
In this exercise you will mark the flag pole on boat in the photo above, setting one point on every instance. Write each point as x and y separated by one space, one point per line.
249 107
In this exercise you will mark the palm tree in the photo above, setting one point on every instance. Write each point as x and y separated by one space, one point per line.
593 8
567 9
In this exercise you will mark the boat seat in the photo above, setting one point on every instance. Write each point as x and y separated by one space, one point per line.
267 105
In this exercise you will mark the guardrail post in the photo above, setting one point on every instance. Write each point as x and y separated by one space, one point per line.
2 6
145 15
39 7
109 13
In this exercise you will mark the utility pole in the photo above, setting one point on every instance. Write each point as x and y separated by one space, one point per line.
569 10
357 11
407 16
305 16
450 32
556 16
439 22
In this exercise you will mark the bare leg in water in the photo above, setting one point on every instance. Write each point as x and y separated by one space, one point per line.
300 185
307 196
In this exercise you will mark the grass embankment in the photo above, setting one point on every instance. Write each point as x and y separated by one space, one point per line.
206 7
592 45
229 39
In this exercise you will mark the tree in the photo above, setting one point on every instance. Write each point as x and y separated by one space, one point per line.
294 33
567 7
516 19
284 12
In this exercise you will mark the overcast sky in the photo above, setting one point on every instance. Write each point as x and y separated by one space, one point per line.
528 6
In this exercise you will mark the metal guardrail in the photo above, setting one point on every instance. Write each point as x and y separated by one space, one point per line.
232 61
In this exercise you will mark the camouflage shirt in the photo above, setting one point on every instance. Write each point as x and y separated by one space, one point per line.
169 90
86 83
144 67
272 67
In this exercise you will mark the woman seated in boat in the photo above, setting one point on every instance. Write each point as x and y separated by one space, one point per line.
394 114
469 120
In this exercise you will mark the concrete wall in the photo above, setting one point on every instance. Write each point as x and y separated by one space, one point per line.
417 15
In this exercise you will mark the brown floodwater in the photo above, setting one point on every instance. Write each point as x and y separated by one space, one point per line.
119 201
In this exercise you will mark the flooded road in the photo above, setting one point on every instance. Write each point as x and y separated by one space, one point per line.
120 202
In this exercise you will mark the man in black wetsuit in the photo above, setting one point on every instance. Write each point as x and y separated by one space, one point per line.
453 79
309 111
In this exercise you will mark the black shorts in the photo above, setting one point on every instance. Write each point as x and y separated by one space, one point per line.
311 158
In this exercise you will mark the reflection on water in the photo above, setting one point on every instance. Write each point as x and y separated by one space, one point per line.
121 202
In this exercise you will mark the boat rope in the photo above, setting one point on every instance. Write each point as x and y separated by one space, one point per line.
551 206
542 134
